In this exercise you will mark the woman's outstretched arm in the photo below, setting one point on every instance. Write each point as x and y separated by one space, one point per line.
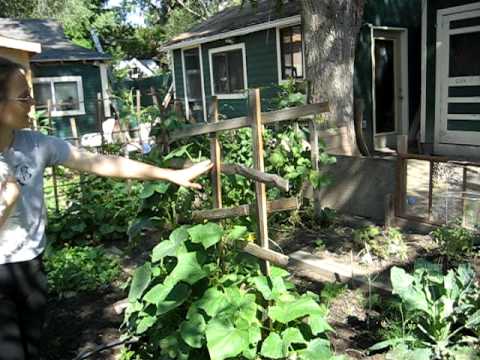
119 167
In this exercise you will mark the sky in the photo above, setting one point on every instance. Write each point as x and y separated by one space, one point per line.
135 18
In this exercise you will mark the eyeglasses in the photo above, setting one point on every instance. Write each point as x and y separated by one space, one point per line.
28 99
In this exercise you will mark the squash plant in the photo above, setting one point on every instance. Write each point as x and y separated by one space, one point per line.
200 298
439 314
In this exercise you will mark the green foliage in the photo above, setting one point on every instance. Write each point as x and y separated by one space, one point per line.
79 268
327 217
385 244
195 301
97 210
439 314
291 93
454 241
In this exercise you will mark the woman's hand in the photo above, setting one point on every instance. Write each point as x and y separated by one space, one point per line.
184 177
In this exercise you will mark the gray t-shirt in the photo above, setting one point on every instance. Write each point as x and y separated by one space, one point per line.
22 238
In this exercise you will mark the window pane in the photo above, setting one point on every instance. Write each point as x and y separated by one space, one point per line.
235 70
292 52
220 73
228 72
192 68
463 55
66 96
42 92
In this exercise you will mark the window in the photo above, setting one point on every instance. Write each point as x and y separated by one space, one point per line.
228 71
290 53
65 93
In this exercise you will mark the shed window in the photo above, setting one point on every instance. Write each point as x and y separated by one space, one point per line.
291 48
65 93
228 70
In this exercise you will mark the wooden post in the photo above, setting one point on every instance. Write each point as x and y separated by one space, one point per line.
389 211
54 168
215 156
138 110
258 161
73 126
155 101
100 116
315 153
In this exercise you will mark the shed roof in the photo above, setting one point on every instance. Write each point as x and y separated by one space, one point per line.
55 44
241 17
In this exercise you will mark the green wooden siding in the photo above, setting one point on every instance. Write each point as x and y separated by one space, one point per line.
261 58
392 13
91 86
433 7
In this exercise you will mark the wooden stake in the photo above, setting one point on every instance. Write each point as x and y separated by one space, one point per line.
73 126
215 156
54 168
100 116
315 153
154 97
138 112
258 161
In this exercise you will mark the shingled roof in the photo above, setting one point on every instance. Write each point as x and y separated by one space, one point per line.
55 44
237 18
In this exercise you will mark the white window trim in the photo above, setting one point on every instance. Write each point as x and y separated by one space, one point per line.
59 79
402 127
245 80
445 141
279 53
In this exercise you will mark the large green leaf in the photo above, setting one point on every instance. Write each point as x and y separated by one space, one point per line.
262 285
284 312
140 281
402 352
175 298
187 269
272 347
206 234
169 247
236 233
292 336
318 324
150 188
145 323
224 340
164 249
317 349
403 286
193 330
157 294
212 302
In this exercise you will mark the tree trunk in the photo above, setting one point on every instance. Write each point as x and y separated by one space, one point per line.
331 28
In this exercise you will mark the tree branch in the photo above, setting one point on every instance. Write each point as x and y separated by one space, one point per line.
191 11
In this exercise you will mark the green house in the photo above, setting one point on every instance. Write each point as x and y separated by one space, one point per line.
416 68
70 76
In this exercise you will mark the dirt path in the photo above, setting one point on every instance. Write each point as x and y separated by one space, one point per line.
80 323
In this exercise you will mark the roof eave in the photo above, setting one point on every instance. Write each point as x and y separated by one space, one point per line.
291 20
69 59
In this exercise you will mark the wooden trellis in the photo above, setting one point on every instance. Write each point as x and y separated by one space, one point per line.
256 121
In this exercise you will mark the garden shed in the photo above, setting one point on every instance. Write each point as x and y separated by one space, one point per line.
415 69
67 74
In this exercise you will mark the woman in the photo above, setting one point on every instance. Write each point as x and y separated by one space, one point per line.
22 209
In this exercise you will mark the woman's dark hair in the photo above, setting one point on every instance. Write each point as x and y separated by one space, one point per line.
7 69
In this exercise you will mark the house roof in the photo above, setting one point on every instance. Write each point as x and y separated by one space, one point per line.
147 66
55 44
238 20
27 46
